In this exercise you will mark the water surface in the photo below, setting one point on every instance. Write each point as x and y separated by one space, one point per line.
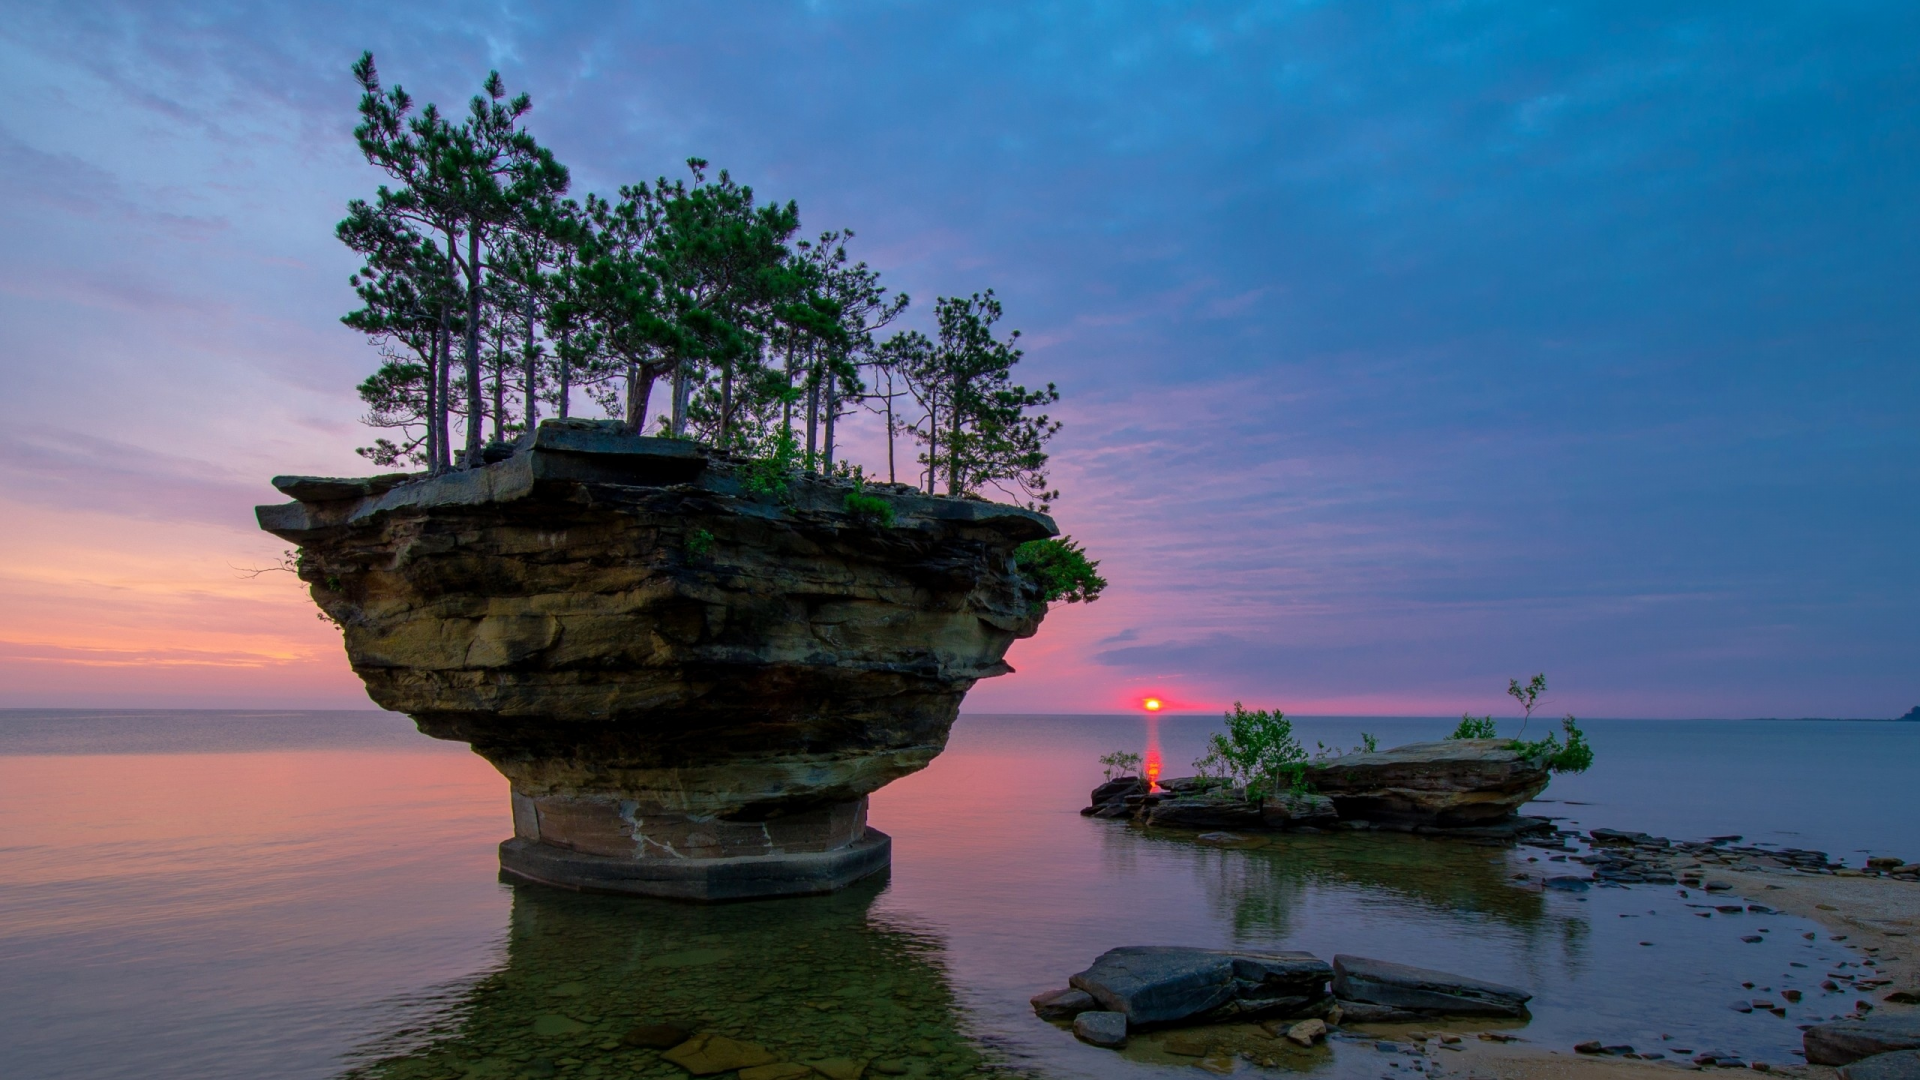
314 895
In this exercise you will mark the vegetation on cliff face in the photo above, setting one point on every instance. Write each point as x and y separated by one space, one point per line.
1061 569
493 297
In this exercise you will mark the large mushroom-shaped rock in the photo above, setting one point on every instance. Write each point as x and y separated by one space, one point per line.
1450 783
691 680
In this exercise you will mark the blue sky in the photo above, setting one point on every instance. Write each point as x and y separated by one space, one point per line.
1405 347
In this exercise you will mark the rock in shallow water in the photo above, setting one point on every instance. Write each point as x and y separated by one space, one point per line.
1153 984
1845 1041
1436 993
1898 1065
1108 1029
1062 1004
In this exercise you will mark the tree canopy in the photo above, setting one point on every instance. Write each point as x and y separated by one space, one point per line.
494 297
490 294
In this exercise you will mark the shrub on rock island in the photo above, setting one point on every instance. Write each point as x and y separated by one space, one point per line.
1258 751
1572 756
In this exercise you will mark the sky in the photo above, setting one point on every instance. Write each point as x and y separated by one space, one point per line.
1405 348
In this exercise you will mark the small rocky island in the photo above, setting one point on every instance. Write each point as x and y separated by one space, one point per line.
692 679
1461 787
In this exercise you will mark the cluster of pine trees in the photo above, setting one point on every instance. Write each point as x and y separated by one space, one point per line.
495 299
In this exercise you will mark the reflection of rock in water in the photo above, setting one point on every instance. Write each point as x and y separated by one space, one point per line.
1261 884
808 979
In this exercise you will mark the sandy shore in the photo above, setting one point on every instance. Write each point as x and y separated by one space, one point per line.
1879 916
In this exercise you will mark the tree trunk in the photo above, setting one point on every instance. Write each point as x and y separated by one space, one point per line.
953 443
891 479
813 416
533 402
499 384
473 349
833 409
433 404
639 390
933 439
566 371
726 404
680 400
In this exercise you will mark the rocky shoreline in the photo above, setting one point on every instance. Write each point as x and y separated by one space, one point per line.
1878 1040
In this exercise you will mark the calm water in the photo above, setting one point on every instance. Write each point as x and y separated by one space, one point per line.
314 895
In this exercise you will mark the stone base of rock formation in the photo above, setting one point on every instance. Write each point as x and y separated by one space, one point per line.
737 877
603 843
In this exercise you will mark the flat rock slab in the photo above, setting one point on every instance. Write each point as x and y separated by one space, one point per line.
1100 1028
1846 1041
1435 993
1898 1065
1153 984
1062 1004
1158 984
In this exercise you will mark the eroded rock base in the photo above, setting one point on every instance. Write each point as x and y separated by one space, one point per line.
740 877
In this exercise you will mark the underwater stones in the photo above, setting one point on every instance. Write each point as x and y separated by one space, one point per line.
1420 990
839 1068
671 671
707 1054
1453 782
1100 1028
779 1070
1845 1041
653 1036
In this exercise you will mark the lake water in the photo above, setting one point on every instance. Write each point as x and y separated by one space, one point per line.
215 895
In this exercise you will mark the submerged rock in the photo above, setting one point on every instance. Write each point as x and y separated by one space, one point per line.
1420 990
705 1055
690 686
1449 783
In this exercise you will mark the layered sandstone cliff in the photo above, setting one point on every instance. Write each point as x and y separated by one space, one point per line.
665 663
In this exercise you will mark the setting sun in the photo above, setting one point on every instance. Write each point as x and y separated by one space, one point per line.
1151 704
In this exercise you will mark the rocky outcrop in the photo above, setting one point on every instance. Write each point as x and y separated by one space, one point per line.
1153 986
1846 1041
1897 1065
1159 985
1455 782
1423 991
681 676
